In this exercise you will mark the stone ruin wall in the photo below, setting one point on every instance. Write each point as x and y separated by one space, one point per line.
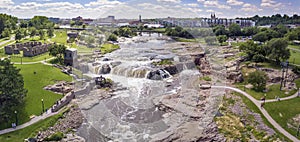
29 49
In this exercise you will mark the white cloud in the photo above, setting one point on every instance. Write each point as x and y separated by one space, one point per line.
169 1
247 7
200 0
270 4
192 5
215 3
6 3
235 2
103 2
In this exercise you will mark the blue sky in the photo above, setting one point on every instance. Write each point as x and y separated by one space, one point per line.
148 8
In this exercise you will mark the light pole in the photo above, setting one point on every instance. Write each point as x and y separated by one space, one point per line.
43 105
16 114
286 73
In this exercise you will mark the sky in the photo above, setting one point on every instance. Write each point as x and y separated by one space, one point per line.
148 8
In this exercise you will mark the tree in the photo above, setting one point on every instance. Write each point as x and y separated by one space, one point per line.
112 37
250 31
57 51
277 50
222 38
12 91
220 30
254 51
258 79
42 34
18 35
32 31
5 33
234 30
261 36
50 32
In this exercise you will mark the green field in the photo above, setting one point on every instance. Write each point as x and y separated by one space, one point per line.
283 111
294 46
17 58
60 37
254 108
107 48
30 131
274 90
295 57
34 83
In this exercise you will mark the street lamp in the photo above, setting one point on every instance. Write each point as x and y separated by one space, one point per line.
16 114
43 104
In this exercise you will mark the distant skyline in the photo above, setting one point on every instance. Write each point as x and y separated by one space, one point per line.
148 8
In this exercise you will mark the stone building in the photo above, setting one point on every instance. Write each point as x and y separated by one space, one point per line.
29 49
70 57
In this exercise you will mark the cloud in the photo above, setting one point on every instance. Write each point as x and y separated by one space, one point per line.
192 5
247 7
169 1
201 1
6 3
270 4
216 4
235 2
103 2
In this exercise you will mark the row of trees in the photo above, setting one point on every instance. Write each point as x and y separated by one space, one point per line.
275 19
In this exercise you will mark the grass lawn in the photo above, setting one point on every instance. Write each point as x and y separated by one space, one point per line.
297 81
61 37
34 83
283 111
295 57
35 38
294 46
253 107
30 131
17 58
107 48
274 90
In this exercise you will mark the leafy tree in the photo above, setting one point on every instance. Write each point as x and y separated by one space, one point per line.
50 32
58 51
40 22
19 35
281 29
7 22
277 50
250 31
254 51
234 30
112 37
220 30
23 24
25 32
12 91
41 34
261 36
222 38
258 79
6 33
32 31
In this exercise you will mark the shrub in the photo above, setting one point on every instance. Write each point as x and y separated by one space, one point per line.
55 137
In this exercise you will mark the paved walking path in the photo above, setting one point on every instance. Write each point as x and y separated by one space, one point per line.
32 121
37 62
6 41
264 112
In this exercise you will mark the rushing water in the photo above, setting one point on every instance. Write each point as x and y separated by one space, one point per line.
130 115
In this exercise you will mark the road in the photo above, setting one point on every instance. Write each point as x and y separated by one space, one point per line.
264 112
6 41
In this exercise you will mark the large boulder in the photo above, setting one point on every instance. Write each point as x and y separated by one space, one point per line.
158 74
105 69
